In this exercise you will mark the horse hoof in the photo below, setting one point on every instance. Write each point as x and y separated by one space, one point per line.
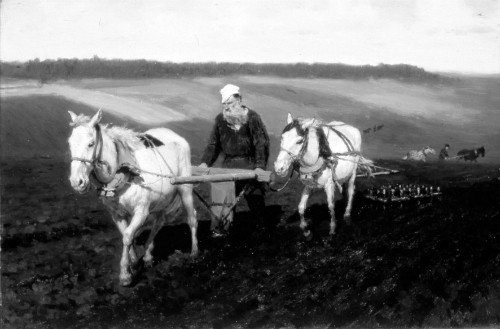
307 233
126 281
194 253
218 234
347 219
332 232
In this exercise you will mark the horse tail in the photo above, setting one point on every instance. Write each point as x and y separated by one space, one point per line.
366 166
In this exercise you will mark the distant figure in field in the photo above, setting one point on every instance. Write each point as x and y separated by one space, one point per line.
419 155
471 155
443 155
374 129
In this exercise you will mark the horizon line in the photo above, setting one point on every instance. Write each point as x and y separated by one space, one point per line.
252 63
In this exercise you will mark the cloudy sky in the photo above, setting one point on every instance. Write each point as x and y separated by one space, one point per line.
438 35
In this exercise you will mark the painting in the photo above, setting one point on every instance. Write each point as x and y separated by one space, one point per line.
419 81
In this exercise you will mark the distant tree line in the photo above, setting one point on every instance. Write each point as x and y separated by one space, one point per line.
96 67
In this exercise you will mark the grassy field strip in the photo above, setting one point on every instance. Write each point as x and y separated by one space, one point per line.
402 99
141 110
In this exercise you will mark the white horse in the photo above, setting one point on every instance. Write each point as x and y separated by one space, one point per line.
132 172
419 155
328 156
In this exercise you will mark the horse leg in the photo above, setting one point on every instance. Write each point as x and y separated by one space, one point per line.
330 197
302 208
122 224
186 192
350 196
150 244
136 222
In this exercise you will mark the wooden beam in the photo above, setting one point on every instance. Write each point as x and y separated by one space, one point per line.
212 178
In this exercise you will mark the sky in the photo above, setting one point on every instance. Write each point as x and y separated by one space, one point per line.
437 35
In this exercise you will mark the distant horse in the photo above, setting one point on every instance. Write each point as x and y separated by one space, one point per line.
471 155
132 172
327 154
419 155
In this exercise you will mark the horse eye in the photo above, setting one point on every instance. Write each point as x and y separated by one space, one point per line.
300 141
91 144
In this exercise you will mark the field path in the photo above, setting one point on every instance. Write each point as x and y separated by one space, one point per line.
140 110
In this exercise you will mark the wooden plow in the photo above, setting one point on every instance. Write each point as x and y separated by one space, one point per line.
223 198
377 170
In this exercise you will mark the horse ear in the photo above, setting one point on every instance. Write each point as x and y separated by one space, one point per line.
96 118
289 119
73 116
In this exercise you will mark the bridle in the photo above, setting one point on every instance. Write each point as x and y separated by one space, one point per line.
295 161
101 168
296 157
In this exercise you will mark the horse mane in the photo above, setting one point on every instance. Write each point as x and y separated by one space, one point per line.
311 123
296 123
129 138
324 148
303 125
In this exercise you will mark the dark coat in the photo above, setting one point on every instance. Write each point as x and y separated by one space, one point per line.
247 148
443 155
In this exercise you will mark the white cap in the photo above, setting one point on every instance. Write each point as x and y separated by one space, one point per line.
228 91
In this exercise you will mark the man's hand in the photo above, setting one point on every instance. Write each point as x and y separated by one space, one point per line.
203 165
262 175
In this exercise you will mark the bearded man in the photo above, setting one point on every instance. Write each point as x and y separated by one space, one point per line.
240 137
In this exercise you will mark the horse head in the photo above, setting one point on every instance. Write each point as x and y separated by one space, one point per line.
428 150
481 151
87 145
292 146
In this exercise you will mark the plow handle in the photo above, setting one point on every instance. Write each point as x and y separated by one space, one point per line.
207 175
212 178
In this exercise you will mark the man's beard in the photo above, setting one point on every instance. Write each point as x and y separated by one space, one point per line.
236 119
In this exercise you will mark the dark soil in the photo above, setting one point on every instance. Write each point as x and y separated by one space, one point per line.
434 264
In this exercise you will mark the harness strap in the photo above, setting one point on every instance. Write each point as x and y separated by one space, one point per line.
331 161
344 138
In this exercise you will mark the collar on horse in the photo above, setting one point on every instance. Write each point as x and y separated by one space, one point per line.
127 171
